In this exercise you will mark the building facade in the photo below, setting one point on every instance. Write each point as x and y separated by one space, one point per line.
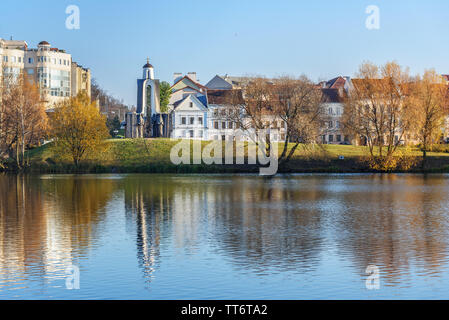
80 79
50 68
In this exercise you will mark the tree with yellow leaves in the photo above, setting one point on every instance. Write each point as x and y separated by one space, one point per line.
78 128
430 106
23 121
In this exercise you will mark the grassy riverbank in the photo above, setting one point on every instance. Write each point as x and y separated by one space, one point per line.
153 156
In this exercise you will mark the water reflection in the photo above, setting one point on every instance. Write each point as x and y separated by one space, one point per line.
46 225
401 225
302 226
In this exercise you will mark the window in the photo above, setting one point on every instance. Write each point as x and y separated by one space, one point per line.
338 138
331 138
191 104
183 120
330 111
230 125
5 58
192 120
223 125
331 124
191 133
200 133
337 124
30 60
215 124
200 120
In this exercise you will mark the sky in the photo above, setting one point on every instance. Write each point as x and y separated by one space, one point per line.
321 39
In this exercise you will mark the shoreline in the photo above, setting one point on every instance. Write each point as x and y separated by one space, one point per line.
153 156
206 169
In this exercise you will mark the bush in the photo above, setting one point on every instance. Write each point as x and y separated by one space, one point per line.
403 160
439 148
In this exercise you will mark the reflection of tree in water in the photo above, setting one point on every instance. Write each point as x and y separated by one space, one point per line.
46 223
267 226
80 203
256 224
396 223
21 221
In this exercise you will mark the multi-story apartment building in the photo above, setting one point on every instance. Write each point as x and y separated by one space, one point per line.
50 68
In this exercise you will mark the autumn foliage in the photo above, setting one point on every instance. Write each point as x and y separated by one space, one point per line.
78 128
23 121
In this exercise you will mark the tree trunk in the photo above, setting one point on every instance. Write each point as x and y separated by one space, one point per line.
424 157
284 151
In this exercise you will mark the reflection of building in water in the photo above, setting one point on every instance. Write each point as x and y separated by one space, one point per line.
162 209
146 209
252 222
46 224
21 218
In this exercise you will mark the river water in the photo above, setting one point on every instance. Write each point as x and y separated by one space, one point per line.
224 236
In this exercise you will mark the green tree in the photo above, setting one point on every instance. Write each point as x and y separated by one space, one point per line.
165 94
113 125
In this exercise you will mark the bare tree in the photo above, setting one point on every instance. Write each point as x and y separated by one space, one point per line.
297 102
251 110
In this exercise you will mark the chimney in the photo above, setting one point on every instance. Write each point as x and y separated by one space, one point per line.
176 77
192 76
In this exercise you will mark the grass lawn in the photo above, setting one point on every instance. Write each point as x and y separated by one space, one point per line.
137 155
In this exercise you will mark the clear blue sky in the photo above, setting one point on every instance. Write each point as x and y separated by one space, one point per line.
321 39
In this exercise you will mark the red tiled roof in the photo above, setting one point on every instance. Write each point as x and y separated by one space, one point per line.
224 96
331 96
336 83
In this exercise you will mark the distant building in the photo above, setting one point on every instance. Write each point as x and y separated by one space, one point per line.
80 79
188 108
50 68
333 107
